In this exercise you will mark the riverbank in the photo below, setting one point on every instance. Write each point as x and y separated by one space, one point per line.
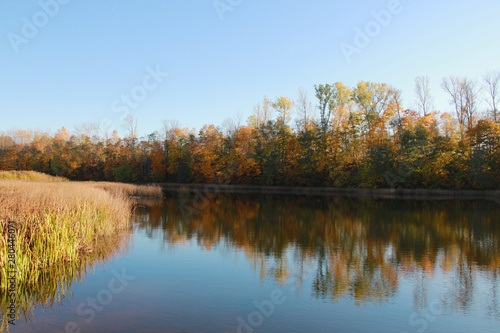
30 175
408 194
45 223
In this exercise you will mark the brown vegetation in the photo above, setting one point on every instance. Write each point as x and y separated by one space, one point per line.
129 189
30 175
58 221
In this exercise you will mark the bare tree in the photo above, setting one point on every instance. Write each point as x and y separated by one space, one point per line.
169 134
464 95
422 93
304 109
169 128
92 130
20 136
130 126
231 126
471 92
261 114
492 81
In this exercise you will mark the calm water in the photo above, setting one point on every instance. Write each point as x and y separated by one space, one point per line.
241 263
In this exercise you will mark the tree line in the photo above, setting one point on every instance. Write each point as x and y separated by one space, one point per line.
359 136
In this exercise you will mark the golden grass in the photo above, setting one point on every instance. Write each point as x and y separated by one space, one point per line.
60 223
115 188
30 175
129 189
55 222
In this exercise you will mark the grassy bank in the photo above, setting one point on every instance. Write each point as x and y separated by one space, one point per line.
129 190
30 175
58 221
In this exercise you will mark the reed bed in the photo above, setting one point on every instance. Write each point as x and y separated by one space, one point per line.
30 175
55 222
151 191
59 224
58 221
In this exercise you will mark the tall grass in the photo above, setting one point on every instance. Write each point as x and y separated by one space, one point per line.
59 223
56 222
129 189
30 175
115 188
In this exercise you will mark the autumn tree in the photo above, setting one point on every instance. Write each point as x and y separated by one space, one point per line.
362 137
372 99
485 142
158 162
241 160
6 142
324 94
283 106
207 153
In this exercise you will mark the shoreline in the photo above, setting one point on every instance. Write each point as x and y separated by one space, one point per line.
48 220
382 193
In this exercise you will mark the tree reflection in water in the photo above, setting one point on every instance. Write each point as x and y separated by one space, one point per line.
356 248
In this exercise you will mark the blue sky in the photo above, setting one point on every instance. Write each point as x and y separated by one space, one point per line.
83 58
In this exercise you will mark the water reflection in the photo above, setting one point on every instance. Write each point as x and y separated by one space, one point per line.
358 249
54 285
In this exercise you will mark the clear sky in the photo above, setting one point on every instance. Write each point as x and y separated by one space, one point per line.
77 62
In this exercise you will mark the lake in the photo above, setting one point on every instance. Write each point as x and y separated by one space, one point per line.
276 263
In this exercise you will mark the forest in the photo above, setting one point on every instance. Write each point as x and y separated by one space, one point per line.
346 137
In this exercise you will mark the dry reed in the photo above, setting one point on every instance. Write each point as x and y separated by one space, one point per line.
58 221
55 222
30 175
153 191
